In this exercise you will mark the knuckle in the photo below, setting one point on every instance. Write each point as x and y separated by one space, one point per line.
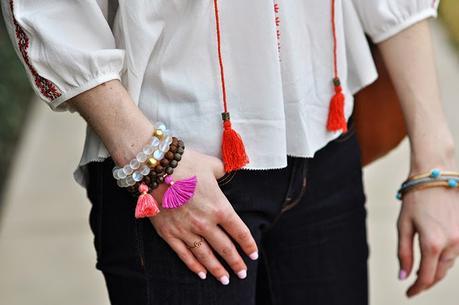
432 246
164 232
403 255
218 270
244 235
228 250
424 282
193 265
220 213
204 256
454 239
200 225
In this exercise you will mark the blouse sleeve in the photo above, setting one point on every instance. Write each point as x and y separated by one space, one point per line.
382 19
67 47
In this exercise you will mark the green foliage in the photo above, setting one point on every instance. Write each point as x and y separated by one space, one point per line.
449 12
15 95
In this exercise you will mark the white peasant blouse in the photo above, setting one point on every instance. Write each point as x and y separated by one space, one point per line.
278 58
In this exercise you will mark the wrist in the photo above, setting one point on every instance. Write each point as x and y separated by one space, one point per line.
435 153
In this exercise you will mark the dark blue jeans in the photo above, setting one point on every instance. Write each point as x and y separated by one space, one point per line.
308 219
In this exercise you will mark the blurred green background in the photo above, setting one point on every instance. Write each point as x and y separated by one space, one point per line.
15 96
449 13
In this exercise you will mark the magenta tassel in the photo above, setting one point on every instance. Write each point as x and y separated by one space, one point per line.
146 204
179 192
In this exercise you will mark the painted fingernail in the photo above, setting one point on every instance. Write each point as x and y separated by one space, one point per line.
242 274
202 275
254 255
402 275
224 280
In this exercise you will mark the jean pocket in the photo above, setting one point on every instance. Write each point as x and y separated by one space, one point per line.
226 178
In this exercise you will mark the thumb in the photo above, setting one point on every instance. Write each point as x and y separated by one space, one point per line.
405 247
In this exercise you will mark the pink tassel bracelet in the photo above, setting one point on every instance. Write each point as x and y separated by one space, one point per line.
178 193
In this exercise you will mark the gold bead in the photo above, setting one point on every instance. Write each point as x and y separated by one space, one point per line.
159 134
152 162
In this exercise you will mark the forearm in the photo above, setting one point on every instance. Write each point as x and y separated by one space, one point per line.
111 113
410 62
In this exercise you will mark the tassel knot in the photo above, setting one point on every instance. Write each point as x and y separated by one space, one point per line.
146 204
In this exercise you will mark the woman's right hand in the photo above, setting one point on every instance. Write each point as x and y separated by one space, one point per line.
124 130
208 214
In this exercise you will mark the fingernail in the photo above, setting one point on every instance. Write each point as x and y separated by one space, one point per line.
202 275
254 255
224 280
402 275
242 274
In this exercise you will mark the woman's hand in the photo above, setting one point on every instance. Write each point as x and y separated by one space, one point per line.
201 216
433 213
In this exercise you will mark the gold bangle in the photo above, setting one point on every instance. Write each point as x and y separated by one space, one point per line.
433 173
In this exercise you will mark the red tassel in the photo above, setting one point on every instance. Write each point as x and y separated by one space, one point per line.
233 151
146 204
336 117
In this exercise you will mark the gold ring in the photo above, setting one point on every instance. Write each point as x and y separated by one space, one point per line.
196 244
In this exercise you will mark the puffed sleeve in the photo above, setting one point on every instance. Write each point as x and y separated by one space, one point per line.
382 19
67 47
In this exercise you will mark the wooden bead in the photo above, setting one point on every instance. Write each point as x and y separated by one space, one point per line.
180 150
169 155
169 170
160 179
173 148
178 157
154 185
173 163
164 162
159 169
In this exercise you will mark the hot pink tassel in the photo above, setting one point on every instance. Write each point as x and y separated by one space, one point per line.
146 204
179 192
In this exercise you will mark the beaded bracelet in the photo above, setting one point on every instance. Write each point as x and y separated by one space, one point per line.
152 166
434 178
135 170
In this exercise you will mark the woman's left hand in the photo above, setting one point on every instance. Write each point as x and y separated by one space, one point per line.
433 214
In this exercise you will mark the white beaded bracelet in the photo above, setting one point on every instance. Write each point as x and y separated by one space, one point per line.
136 169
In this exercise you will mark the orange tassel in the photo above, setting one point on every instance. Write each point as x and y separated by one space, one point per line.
336 117
233 151
146 204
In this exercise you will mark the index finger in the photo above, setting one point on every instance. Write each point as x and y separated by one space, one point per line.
239 231
430 253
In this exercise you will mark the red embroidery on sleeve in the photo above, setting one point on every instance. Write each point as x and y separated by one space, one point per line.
46 87
277 21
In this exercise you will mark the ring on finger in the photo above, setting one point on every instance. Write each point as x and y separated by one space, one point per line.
196 243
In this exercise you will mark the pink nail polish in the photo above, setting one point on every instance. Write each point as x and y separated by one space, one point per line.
202 275
242 274
254 255
224 280
402 275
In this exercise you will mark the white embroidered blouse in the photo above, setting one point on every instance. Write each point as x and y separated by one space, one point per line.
278 58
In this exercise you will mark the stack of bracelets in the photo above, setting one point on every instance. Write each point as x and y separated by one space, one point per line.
152 166
434 178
